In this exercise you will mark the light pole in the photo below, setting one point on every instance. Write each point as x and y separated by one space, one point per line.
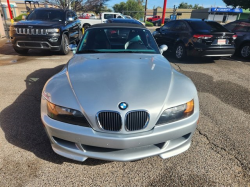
163 13
11 17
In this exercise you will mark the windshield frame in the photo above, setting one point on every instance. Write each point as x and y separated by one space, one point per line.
117 51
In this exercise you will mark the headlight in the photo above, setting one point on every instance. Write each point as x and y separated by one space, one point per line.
53 30
66 115
177 113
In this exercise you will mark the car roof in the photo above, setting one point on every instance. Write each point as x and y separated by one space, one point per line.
59 9
126 25
121 20
195 19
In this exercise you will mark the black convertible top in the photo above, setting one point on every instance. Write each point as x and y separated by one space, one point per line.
126 25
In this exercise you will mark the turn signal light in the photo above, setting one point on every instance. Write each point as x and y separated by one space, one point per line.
234 37
203 36
189 107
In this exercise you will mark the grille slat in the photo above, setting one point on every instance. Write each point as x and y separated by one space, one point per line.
136 120
110 121
28 31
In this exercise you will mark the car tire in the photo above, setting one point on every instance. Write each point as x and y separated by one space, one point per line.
21 51
245 50
64 49
180 51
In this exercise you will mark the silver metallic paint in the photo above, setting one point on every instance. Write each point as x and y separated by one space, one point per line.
94 82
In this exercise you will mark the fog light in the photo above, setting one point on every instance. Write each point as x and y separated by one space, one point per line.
53 39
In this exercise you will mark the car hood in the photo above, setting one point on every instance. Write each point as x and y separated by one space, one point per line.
37 23
102 81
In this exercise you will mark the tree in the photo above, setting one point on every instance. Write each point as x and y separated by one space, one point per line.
131 7
82 5
197 6
235 3
184 5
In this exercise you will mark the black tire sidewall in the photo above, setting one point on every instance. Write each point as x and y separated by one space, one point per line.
63 50
245 44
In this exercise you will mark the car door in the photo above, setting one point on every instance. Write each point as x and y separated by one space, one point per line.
76 25
163 36
180 33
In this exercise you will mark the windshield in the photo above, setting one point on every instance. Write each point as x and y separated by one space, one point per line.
46 15
207 25
117 40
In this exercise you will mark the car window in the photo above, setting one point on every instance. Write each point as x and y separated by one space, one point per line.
180 26
69 15
74 15
118 40
168 26
108 16
207 26
230 26
242 27
46 15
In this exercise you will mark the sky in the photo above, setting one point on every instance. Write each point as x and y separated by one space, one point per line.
171 3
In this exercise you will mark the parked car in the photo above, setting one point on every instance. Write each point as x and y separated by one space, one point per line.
86 23
242 43
119 20
47 29
158 22
119 99
127 17
155 18
195 37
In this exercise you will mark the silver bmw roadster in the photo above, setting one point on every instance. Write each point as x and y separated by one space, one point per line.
119 99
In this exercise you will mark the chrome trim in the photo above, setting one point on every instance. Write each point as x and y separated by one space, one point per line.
220 55
146 124
40 42
99 123
31 31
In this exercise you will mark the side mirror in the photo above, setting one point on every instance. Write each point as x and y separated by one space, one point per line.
73 47
163 48
70 19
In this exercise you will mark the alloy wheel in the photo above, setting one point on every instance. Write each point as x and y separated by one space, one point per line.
245 51
179 52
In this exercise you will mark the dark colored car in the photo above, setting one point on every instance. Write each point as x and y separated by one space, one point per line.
158 22
46 28
121 20
242 43
195 37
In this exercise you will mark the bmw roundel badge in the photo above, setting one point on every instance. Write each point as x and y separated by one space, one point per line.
123 106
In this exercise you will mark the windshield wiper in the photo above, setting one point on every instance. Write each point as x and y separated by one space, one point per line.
89 51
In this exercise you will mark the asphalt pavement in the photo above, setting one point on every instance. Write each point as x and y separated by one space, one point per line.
219 154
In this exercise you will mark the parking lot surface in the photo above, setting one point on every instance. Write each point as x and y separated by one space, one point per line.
219 154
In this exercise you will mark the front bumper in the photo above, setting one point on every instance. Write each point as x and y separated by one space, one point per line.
48 42
79 143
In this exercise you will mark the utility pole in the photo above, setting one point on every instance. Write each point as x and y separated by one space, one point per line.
145 15
164 12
